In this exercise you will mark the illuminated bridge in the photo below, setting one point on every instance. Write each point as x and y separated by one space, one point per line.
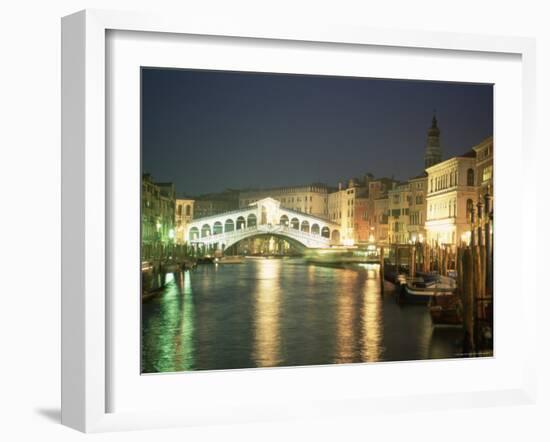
264 217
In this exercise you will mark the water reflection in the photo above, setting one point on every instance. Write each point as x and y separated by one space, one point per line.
273 312
186 351
345 338
161 330
267 311
371 314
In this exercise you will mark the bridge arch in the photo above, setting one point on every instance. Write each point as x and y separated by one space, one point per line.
241 223
325 232
259 234
217 228
284 221
205 230
194 233
315 229
335 236
295 223
251 220
229 225
305 226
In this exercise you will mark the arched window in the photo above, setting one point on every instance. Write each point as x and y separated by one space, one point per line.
240 223
218 228
284 221
335 236
229 225
251 220
205 231
305 226
315 229
294 223
194 233
325 232
470 177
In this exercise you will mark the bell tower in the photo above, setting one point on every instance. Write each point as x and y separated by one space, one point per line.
433 153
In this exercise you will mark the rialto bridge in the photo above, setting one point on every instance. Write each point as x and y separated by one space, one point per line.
264 217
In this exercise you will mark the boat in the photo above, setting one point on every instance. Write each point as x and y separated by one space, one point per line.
419 290
446 310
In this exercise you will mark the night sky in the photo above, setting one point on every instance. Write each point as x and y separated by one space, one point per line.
211 130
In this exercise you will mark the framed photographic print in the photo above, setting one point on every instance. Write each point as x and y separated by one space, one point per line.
287 222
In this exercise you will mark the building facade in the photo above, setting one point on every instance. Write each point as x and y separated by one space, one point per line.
484 177
399 208
362 226
342 206
184 215
484 168
417 208
381 220
451 196
214 203
371 217
157 212
310 199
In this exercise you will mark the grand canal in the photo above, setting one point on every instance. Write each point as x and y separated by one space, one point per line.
283 312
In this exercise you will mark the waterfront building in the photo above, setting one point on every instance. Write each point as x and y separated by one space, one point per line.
433 152
417 208
484 177
362 226
484 167
451 196
184 215
311 198
399 198
342 208
371 217
381 217
214 203
157 211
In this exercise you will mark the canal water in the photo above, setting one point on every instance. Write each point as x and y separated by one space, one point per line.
283 312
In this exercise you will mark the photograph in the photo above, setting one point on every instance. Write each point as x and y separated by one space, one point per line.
303 220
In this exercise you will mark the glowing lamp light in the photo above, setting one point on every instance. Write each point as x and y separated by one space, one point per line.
159 225
466 237
421 238
171 234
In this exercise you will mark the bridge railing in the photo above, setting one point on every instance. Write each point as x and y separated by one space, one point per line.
263 228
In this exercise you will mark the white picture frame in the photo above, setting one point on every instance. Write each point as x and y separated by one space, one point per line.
85 210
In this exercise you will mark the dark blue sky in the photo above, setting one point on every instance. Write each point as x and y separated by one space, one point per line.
211 130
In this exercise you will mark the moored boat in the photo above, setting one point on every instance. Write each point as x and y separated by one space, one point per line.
419 290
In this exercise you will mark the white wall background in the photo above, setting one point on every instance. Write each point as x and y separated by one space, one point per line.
30 215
